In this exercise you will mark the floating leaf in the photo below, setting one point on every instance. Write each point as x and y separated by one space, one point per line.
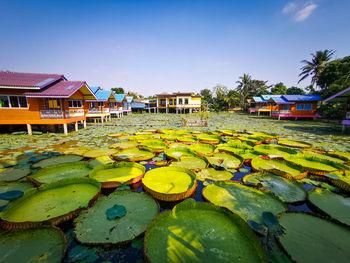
117 211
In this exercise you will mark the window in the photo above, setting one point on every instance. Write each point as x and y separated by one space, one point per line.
286 107
180 101
100 104
12 101
75 103
186 101
112 104
92 105
162 101
52 103
171 102
304 106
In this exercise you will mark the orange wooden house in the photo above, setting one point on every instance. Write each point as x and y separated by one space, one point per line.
295 106
42 99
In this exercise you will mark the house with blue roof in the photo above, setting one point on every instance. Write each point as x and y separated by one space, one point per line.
102 107
262 104
295 106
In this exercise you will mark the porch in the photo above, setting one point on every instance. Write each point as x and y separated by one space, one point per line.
99 114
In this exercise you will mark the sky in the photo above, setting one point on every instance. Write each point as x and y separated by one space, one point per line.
151 47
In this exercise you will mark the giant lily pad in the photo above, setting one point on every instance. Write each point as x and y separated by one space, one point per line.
186 139
53 173
215 175
55 160
274 150
13 174
341 155
123 145
202 149
113 175
334 205
309 238
54 202
170 183
45 244
315 165
134 154
247 202
177 153
283 168
309 153
286 190
93 226
201 232
99 152
191 162
155 145
225 160
294 144
208 138
343 181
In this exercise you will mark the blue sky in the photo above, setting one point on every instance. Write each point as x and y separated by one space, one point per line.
168 46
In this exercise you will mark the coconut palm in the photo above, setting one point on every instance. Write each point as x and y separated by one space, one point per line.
244 88
317 64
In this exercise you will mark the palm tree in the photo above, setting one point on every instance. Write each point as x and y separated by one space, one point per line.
244 88
317 64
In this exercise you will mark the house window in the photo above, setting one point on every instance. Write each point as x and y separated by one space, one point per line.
180 101
101 104
13 101
304 106
286 107
300 106
162 101
171 102
75 103
186 101
52 104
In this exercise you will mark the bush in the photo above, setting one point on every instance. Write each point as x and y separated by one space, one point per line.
332 110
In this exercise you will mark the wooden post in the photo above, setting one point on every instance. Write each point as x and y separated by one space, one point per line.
84 122
279 117
29 129
101 119
94 120
65 129
76 126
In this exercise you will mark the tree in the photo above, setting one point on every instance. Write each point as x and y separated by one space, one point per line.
232 99
244 88
295 91
315 67
219 103
259 87
279 88
118 90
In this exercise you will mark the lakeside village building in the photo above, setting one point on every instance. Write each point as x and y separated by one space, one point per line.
50 99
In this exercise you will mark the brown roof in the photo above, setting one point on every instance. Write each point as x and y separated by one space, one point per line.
62 89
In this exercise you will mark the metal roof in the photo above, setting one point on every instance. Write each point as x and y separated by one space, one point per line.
129 98
103 95
95 89
312 97
62 89
138 105
281 100
267 97
258 99
119 97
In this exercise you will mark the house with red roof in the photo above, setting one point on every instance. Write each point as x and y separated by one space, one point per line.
42 99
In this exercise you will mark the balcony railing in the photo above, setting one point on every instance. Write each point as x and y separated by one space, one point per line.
74 113
94 110
51 114
105 110
281 112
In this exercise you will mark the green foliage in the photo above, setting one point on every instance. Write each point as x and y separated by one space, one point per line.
332 110
295 91
279 88
119 90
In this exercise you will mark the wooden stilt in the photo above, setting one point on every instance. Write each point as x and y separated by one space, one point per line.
76 126
29 129
84 123
65 129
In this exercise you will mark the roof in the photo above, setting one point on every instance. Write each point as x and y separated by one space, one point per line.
119 97
129 98
95 89
103 95
62 89
138 105
281 100
340 96
267 97
312 97
28 80
258 99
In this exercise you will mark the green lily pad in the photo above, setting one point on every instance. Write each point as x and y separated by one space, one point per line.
309 238
140 209
287 190
99 152
54 173
190 162
45 244
201 232
202 149
341 155
283 168
225 160
13 174
334 205
113 175
208 138
55 160
134 154
294 144
124 145
154 144
247 202
10 195
309 153
215 175
343 181
116 211
51 201
177 153
274 150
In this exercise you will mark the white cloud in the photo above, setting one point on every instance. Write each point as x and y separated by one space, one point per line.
288 8
304 13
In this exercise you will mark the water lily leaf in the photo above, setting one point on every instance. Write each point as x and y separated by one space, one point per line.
123 187
137 242
243 170
117 211
10 195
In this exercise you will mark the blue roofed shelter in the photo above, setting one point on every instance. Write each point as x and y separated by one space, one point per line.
262 104
103 105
